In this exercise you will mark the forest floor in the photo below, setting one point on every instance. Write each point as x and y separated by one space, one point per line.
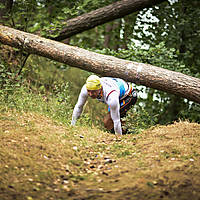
41 159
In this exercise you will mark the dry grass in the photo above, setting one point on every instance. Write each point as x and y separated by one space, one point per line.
41 159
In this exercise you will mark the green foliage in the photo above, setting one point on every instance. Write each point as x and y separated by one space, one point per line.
17 94
9 82
138 119
124 153
175 25
60 103
159 56
46 17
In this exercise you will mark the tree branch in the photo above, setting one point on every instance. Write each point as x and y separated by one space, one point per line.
103 15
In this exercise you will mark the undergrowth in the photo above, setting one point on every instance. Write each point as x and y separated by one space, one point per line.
18 94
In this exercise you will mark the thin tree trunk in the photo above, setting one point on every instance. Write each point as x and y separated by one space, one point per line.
4 11
100 16
108 31
145 74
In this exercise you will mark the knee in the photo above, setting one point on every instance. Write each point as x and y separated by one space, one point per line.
108 123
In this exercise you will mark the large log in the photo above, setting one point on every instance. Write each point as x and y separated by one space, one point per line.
144 74
100 16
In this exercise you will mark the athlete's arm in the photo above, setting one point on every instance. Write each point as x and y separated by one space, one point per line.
113 102
79 105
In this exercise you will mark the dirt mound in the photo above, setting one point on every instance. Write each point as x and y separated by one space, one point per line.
41 159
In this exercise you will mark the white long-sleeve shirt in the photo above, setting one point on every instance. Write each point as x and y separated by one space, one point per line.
110 96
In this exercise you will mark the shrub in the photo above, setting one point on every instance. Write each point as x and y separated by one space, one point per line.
16 93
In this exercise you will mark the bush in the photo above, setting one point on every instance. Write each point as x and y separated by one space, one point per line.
138 119
16 93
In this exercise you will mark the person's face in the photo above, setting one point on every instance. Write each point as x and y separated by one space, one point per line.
94 93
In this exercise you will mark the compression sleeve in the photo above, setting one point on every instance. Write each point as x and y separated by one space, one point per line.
79 105
113 102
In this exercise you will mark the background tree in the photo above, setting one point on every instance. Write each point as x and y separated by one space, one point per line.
176 26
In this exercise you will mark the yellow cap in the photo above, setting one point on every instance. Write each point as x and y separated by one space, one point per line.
93 83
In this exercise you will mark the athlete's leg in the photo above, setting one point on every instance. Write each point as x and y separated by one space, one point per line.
109 125
128 103
108 122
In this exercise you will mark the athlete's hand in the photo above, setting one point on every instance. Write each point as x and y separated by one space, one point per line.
73 122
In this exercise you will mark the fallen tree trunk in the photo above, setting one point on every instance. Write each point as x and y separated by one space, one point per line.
144 74
100 16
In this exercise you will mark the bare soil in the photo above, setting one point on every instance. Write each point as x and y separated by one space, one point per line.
44 160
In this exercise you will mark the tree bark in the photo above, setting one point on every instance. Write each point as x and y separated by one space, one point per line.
100 16
139 73
107 37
